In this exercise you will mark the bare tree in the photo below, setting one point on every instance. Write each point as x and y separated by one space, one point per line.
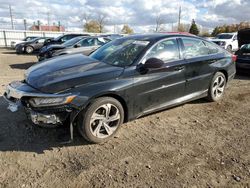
159 22
101 20
85 17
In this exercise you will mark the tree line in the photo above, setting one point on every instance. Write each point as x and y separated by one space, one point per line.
96 25
230 28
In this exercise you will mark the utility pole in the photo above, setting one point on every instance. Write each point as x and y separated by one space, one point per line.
48 14
25 24
179 18
11 17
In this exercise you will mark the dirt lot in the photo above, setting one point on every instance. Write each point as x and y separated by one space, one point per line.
199 144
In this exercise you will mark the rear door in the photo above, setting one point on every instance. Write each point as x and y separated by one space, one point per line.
160 87
39 43
200 56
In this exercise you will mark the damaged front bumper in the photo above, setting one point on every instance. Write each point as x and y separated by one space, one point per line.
18 95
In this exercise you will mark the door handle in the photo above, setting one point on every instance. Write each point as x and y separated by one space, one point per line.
179 68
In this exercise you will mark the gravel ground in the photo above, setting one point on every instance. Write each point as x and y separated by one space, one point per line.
198 144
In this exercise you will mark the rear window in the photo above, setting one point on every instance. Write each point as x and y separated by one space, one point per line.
213 49
194 48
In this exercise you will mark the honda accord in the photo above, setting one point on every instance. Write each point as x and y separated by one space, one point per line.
123 80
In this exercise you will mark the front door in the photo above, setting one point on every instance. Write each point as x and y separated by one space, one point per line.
162 86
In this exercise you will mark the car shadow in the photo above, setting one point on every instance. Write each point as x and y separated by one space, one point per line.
9 52
22 66
18 134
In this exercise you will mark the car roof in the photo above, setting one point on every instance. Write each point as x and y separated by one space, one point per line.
156 36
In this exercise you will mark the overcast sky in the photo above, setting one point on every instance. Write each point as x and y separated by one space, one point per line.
139 14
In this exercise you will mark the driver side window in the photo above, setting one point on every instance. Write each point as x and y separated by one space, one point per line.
88 42
166 50
41 40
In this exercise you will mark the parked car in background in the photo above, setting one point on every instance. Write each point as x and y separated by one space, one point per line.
125 79
63 38
228 41
112 36
243 54
84 45
14 43
31 46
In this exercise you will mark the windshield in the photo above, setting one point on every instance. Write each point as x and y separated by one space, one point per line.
33 40
245 48
120 52
71 42
224 36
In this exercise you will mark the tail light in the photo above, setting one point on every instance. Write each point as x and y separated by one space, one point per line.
234 58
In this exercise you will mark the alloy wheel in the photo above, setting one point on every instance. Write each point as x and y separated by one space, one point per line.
218 86
29 49
105 120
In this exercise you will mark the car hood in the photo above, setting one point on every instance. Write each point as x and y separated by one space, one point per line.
220 40
62 73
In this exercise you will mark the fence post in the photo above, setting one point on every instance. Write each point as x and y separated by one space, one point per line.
43 34
5 40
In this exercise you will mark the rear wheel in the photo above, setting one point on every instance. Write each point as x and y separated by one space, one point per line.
229 48
217 87
29 49
101 120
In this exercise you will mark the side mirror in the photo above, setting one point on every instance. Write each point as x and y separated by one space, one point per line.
153 63
77 45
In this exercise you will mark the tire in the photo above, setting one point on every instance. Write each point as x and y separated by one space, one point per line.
229 48
217 87
96 125
29 49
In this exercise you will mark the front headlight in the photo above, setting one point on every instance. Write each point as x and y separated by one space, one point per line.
50 101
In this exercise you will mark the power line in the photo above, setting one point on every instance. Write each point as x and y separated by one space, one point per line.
48 17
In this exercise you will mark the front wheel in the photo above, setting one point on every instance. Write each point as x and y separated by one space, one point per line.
29 49
101 120
217 87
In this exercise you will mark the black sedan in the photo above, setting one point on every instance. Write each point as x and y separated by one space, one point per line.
63 38
84 45
31 46
125 79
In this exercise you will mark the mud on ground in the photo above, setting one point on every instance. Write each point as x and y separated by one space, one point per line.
198 144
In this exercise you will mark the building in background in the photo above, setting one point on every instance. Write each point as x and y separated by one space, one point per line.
39 27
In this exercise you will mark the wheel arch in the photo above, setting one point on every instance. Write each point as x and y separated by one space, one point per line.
115 96
224 72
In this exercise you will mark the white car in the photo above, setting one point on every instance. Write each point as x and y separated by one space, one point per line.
227 41
15 42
